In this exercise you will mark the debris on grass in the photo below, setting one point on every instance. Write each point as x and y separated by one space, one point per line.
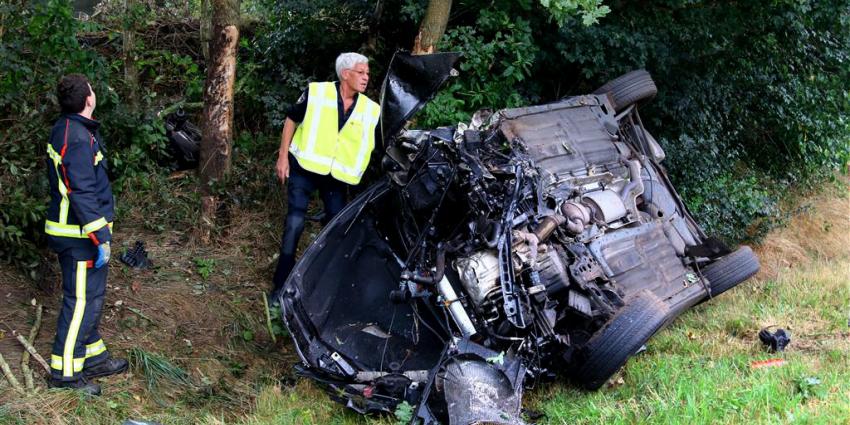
31 350
268 318
28 377
139 313
136 257
7 372
758 364
775 341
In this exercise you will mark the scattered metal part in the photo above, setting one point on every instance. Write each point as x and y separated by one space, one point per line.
774 341
137 257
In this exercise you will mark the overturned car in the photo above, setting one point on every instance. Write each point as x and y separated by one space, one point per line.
532 243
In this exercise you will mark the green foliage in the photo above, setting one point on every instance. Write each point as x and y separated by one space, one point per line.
205 267
403 412
39 45
297 43
499 51
564 10
747 106
810 387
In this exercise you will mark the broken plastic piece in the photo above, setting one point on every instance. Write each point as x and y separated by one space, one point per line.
137 257
776 341
758 364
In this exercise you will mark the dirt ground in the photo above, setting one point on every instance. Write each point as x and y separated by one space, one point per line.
199 307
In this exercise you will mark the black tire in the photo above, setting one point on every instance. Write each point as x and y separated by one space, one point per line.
636 86
730 270
607 351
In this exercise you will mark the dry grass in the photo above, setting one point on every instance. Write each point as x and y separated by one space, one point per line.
819 231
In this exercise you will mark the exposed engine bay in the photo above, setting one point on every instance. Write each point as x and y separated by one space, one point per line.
494 255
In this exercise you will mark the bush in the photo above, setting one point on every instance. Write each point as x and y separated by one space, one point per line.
39 45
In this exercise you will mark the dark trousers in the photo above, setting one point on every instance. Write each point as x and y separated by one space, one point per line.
78 343
299 189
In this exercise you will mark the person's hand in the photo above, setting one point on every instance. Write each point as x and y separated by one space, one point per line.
103 253
282 168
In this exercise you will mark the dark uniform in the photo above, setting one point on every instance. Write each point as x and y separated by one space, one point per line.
79 218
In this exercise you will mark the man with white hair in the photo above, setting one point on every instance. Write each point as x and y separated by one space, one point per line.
327 140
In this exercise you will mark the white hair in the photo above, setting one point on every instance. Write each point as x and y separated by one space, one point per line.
347 61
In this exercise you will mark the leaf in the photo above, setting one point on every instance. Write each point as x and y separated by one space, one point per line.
247 335
403 413
500 359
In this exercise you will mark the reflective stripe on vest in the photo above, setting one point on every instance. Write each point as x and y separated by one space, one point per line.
321 147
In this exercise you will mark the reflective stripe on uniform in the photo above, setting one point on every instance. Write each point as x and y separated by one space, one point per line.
95 348
69 230
94 226
63 190
76 321
320 101
56 363
356 146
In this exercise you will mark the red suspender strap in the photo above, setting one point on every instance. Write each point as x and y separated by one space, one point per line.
62 155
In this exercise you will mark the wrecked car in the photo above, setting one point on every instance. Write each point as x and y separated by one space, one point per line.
528 244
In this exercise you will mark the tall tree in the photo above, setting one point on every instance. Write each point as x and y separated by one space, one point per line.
217 129
433 26
128 36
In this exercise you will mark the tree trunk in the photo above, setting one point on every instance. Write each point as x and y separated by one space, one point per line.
433 26
129 46
217 131
374 26
205 28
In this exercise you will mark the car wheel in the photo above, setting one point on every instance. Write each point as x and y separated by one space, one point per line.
636 86
730 270
607 351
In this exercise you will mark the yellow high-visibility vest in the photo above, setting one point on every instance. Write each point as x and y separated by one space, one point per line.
320 146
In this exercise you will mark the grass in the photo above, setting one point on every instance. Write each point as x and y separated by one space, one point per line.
699 369
157 370
696 371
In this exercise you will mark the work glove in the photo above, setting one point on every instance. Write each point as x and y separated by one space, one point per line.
103 253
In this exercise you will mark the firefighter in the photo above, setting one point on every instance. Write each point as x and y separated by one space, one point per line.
326 144
79 230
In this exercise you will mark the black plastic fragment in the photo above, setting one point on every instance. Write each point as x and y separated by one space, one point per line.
411 81
137 257
776 341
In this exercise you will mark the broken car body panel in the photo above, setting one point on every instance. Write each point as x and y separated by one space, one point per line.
533 242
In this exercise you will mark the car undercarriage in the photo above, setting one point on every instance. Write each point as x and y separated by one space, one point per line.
528 244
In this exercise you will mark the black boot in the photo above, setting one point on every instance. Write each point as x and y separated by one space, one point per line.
110 366
82 385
